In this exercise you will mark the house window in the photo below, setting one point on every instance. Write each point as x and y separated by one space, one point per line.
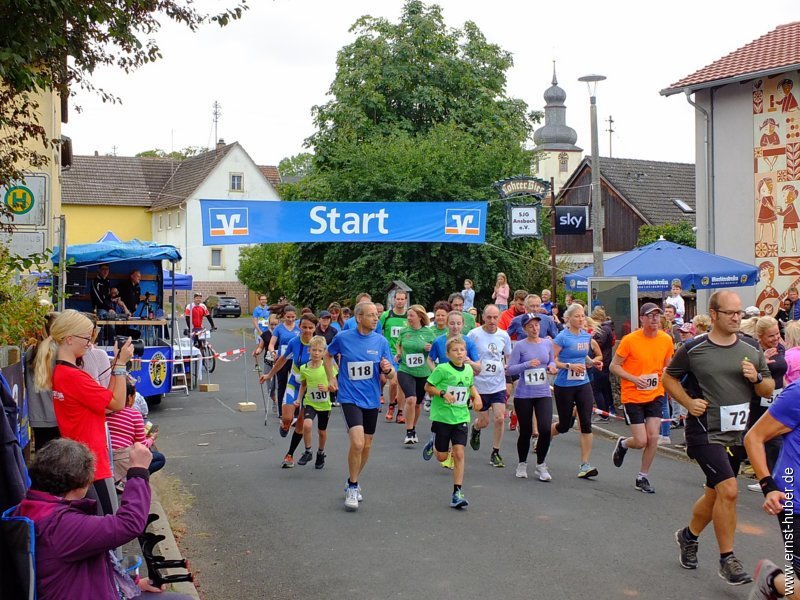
563 162
237 180
178 218
161 222
216 259
682 205
169 220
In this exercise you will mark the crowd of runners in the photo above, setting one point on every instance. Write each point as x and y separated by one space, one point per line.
472 371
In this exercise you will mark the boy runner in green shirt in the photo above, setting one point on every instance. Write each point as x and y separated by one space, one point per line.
450 386
316 400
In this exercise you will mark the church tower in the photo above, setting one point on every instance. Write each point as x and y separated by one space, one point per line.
559 156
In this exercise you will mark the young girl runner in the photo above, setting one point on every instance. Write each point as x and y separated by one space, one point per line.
316 400
450 386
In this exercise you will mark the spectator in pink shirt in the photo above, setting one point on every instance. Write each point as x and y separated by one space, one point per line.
501 292
791 335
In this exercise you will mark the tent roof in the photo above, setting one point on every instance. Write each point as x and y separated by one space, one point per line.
102 252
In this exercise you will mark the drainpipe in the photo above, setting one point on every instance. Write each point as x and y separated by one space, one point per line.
709 166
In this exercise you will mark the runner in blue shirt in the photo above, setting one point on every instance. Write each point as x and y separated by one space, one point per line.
260 317
572 388
438 353
281 336
364 357
779 487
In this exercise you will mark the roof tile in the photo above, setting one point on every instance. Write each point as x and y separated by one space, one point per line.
776 49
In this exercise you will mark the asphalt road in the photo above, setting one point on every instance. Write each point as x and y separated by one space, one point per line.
258 531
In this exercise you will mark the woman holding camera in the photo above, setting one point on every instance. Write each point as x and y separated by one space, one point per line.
80 402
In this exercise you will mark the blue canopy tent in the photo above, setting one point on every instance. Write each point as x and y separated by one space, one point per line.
108 252
656 265
181 281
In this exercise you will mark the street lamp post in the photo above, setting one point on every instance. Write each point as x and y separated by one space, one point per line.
598 214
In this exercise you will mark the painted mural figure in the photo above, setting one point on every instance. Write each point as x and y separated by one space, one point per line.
770 137
767 212
788 102
790 216
769 299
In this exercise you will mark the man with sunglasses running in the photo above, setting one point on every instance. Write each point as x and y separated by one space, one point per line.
714 377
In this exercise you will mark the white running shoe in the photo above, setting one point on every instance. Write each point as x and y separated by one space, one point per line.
358 491
664 440
351 499
543 472
522 470
416 439
409 440
754 487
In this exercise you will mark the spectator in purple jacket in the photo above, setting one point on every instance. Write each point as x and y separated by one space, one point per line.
74 546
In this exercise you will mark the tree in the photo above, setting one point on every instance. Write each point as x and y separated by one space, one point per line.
269 269
681 233
46 45
183 154
298 165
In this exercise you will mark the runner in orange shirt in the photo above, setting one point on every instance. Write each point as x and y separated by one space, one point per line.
639 363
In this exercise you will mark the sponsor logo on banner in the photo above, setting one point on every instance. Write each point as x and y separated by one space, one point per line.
228 221
462 221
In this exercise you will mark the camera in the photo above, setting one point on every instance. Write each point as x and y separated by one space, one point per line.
138 345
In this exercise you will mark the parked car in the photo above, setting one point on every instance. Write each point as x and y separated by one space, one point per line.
227 307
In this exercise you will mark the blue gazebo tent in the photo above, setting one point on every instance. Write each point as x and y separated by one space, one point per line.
656 266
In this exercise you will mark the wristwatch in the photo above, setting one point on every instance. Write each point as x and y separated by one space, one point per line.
759 378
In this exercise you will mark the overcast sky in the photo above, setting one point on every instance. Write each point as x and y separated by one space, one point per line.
268 69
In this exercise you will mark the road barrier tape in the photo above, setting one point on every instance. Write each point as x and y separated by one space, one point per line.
603 413
238 352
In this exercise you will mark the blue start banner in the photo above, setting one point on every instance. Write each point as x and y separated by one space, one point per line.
270 222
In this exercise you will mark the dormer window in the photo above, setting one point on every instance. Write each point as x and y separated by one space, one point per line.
685 208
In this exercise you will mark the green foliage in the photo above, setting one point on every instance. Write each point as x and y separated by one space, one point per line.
680 233
268 269
48 45
22 314
298 165
183 154
419 113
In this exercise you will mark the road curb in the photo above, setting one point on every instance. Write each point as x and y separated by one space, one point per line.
169 547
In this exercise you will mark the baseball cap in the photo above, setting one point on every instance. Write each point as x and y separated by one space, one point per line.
647 308
528 317
752 311
687 328
324 314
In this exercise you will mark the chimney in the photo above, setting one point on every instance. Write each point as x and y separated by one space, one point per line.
220 144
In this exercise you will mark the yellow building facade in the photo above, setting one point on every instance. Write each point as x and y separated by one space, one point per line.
87 224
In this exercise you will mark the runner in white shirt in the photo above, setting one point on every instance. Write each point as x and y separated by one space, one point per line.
494 348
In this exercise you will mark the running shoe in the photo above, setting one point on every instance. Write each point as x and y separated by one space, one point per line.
619 453
643 485
543 472
688 556
288 462
306 458
320 462
475 438
458 500
426 404
676 425
409 441
754 487
448 463
390 412
663 440
351 499
284 431
587 470
512 424
522 470
732 571
400 418
427 449
765 569
358 491
416 439
496 460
